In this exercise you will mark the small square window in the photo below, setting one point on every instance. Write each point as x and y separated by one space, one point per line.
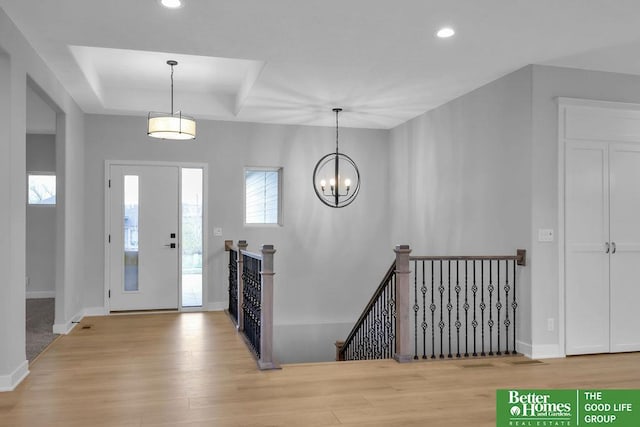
42 189
262 196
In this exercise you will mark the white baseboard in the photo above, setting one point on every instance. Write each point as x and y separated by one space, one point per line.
40 294
96 311
541 351
217 306
524 348
65 328
11 381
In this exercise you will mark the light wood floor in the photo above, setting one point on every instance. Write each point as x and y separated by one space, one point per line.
193 369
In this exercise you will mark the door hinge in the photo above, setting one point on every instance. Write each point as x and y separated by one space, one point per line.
109 293
109 183
109 238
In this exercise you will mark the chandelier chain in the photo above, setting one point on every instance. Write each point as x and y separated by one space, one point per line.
337 111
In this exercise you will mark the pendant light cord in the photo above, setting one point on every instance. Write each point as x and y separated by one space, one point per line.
171 89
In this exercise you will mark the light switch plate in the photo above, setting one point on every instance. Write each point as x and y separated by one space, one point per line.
545 235
217 231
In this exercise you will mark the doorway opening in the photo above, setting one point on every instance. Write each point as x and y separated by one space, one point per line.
40 225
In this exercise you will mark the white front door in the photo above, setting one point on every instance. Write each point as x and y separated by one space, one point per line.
143 229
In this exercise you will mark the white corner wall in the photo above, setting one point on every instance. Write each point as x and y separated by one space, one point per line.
461 179
18 63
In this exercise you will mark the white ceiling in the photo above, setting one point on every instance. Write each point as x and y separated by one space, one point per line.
291 61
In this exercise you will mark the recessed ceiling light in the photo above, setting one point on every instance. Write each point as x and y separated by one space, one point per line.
171 4
445 32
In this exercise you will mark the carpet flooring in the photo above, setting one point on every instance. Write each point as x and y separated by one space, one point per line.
40 316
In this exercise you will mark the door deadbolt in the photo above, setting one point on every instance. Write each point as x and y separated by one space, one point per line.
171 245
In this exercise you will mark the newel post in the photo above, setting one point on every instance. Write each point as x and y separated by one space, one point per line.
403 325
266 310
242 246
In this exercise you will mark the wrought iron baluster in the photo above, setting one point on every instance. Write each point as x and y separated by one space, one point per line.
385 313
432 307
514 305
474 323
415 310
490 323
458 324
423 289
482 307
498 306
466 309
393 314
507 322
449 306
441 324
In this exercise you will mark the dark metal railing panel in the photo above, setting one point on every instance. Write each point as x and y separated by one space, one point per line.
374 334
233 285
251 306
464 306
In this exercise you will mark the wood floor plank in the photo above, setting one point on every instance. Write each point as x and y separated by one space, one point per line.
193 369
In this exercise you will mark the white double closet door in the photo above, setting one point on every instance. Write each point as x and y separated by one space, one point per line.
602 244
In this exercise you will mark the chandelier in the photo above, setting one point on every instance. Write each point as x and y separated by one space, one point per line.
172 125
336 178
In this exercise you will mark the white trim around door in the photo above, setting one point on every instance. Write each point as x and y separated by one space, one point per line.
586 120
107 202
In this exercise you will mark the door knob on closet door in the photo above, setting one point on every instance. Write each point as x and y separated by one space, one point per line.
606 245
613 247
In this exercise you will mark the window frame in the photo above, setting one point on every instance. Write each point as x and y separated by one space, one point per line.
41 173
279 170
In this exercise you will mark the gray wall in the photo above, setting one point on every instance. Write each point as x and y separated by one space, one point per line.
461 178
328 261
41 118
41 222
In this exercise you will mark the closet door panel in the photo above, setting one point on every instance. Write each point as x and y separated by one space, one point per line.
624 166
586 259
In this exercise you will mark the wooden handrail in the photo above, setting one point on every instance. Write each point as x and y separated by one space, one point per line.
520 257
252 255
344 344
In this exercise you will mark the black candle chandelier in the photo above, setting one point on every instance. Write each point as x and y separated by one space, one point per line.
341 174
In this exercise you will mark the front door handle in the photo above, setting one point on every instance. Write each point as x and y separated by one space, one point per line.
171 245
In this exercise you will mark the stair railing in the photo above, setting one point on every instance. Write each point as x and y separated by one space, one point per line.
251 299
443 307
374 334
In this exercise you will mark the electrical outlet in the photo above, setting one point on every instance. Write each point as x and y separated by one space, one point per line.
550 324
